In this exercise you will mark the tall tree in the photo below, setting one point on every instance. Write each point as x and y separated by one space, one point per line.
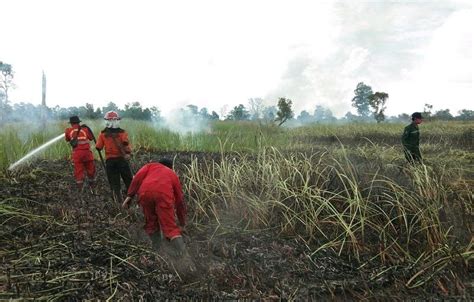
284 112
239 113
427 111
204 113
269 113
193 109
214 116
155 114
361 99
111 106
89 112
256 108
323 114
304 117
377 102
349 116
134 110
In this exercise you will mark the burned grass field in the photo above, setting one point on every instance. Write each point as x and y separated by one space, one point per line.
58 246
331 222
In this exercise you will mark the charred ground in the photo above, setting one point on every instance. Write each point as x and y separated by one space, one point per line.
56 245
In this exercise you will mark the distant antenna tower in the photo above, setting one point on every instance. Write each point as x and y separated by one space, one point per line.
43 101
43 95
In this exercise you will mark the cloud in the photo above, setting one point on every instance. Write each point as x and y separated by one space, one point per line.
209 53
388 45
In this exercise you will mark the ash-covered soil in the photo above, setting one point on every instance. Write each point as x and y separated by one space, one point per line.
58 245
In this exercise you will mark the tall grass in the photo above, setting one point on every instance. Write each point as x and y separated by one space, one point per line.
362 209
16 140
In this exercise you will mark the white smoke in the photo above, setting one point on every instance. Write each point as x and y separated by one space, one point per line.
184 121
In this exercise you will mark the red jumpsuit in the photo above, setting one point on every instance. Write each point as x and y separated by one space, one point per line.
159 194
82 156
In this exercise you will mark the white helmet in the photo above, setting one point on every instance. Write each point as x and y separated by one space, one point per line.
112 119
111 115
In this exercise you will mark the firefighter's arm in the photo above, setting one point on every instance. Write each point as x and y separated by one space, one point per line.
100 142
405 136
126 143
137 181
66 135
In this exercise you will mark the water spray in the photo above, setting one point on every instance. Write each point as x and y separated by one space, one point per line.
34 152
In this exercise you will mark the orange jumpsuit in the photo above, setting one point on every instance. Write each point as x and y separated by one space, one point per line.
82 156
117 147
160 195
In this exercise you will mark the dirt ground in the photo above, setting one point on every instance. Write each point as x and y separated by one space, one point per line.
56 245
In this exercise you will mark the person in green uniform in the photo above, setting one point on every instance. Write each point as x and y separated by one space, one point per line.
411 139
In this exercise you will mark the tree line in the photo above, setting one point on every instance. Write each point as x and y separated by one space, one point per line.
370 106
255 110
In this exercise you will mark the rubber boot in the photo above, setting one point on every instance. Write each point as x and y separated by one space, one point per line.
179 246
156 240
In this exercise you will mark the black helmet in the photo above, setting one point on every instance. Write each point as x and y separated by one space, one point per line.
167 162
74 120
416 115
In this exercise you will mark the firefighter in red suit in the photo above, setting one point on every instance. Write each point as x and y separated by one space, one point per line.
79 137
160 195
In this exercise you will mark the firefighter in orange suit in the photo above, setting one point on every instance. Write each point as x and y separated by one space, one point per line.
117 153
79 137
160 195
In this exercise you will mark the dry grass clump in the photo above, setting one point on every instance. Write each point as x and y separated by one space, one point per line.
346 201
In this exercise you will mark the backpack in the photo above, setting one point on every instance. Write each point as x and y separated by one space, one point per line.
74 141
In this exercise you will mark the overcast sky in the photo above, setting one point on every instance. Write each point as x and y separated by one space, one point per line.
214 53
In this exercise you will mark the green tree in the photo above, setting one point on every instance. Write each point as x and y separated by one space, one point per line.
97 113
427 111
89 112
377 102
269 113
135 111
443 115
284 112
361 99
465 115
239 113
193 109
349 116
214 116
323 114
204 113
305 117
111 106
404 117
155 114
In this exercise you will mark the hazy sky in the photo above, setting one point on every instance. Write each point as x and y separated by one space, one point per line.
214 53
